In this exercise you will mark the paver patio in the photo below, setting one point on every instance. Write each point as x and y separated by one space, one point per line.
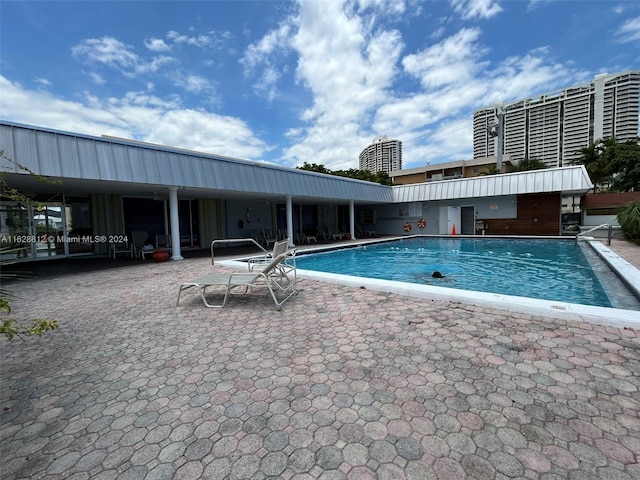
343 383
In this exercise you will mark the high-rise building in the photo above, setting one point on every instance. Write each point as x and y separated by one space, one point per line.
554 127
383 155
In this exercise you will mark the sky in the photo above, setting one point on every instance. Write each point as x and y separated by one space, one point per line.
289 82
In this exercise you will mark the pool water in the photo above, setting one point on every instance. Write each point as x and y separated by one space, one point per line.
543 269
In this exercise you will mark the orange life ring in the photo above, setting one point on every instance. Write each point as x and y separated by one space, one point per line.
407 227
422 223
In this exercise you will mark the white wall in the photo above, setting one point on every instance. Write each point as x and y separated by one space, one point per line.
392 217
259 218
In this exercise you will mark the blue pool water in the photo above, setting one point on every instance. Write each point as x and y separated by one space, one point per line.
541 269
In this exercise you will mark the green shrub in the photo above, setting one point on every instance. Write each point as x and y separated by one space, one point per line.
629 220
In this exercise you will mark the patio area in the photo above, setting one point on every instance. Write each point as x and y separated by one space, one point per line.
343 383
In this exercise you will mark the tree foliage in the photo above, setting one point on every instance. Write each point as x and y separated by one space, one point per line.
528 164
612 165
379 177
10 327
629 220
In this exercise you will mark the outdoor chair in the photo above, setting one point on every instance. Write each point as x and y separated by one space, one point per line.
138 240
308 238
259 261
323 232
268 238
286 269
163 242
273 276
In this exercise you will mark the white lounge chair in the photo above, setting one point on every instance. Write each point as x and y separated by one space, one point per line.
262 260
273 276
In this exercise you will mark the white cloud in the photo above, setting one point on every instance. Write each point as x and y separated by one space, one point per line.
261 54
457 80
154 64
629 31
202 40
108 51
452 61
156 45
97 78
193 83
197 41
469 9
112 53
137 116
393 7
348 68
43 81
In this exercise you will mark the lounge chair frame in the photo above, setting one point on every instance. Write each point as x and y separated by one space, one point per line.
274 276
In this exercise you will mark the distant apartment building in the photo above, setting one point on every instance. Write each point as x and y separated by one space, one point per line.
383 155
448 170
554 127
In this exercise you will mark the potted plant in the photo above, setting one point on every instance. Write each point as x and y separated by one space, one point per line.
160 255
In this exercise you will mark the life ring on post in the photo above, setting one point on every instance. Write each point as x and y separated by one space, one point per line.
407 227
422 223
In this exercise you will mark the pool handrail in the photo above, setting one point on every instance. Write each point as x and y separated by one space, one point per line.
235 240
609 234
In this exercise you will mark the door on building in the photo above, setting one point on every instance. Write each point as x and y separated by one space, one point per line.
467 220
453 221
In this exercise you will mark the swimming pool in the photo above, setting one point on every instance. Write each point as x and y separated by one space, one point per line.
535 268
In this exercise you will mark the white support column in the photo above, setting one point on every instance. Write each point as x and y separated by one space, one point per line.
290 220
175 224
352 220
165 212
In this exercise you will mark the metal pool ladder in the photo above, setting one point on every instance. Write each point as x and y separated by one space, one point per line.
604 225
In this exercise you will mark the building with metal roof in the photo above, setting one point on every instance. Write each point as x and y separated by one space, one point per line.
106 186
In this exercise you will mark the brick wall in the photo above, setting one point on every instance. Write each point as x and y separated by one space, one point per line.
538 214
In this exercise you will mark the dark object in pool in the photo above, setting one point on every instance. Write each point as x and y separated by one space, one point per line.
437 274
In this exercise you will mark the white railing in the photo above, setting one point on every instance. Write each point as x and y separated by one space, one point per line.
235 240
604 225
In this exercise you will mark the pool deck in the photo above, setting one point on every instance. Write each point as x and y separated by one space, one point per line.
346 382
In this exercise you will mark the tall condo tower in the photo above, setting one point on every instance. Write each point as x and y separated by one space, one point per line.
554 127
384 154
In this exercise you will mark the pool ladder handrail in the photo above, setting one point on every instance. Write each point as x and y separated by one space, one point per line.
235 240
609 233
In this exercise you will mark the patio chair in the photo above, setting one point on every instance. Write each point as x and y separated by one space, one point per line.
268 238
260 261
163 241
274 277
285 270
308 237
323 232
138 241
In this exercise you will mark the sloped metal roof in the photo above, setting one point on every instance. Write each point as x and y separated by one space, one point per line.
82 157
126 166
572 180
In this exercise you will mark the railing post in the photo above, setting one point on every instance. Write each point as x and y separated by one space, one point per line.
610 235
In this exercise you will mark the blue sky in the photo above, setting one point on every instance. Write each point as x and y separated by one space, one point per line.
287 82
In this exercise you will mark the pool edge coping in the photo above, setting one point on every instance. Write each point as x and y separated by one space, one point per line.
616 317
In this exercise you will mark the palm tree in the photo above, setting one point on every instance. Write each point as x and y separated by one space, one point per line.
527 164
595 158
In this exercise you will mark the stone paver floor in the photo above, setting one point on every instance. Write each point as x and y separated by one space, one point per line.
343 383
